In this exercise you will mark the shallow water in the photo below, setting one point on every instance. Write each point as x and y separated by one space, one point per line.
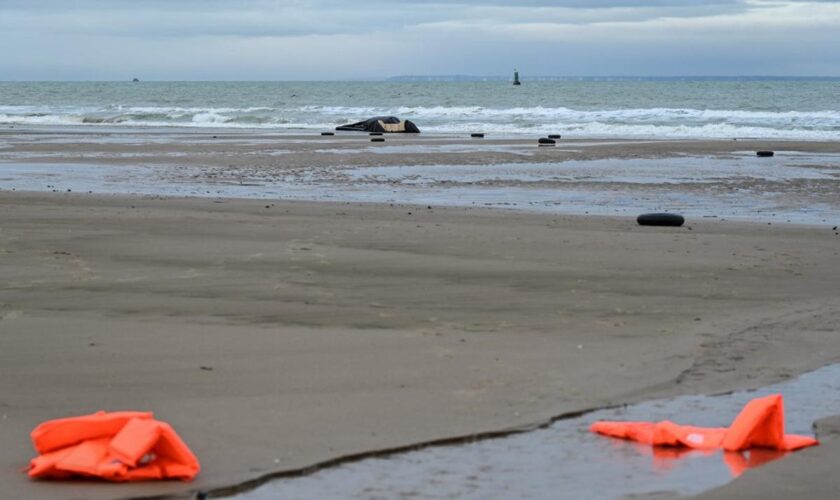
435 148
634 171
565 460
791 187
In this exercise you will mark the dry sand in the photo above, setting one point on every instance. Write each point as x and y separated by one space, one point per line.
274 335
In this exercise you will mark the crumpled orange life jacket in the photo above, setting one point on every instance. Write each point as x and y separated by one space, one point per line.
116 446
760 424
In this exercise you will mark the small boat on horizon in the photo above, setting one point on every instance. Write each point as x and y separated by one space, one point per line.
516 77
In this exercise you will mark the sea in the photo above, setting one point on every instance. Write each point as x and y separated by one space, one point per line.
799 108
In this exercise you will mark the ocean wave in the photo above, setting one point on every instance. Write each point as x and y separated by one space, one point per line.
632 122
540 112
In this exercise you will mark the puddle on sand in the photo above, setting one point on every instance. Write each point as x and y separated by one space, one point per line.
517 149
686 169
565 460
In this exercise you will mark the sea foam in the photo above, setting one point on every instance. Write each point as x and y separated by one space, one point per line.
631 122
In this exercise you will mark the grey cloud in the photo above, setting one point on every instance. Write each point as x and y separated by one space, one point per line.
258 18
266 39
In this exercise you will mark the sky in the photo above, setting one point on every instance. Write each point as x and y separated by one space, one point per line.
345 39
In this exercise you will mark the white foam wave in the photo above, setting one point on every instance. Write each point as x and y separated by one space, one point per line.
636 122
829 117
597 129
181 110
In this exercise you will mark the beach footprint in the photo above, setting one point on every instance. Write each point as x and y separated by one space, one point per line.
10 315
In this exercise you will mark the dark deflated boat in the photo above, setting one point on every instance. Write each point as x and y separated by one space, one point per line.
389 124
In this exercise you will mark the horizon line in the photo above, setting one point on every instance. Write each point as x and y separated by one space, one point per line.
451 77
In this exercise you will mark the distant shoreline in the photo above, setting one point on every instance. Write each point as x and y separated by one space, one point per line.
606 78
476 78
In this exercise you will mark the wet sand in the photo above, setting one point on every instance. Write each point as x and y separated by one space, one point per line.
274 335
722 179
555 462
246 150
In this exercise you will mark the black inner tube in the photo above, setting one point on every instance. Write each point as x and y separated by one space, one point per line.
661 219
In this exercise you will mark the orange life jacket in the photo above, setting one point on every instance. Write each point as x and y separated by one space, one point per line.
760 424
116 446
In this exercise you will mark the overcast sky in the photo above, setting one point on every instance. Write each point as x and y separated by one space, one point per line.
345 39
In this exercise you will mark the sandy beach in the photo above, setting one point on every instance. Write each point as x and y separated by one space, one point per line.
419 250
274 335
